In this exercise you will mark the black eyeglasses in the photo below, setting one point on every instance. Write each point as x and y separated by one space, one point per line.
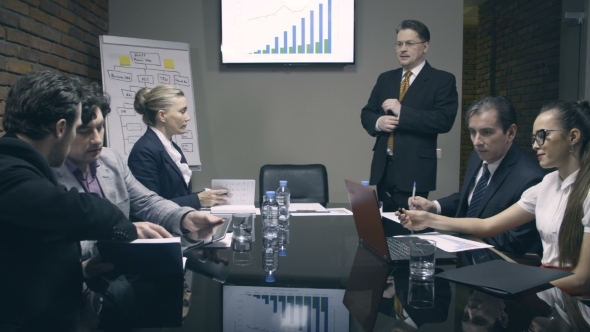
409 44
540 136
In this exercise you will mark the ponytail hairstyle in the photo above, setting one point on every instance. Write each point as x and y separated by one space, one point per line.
149 101
572 115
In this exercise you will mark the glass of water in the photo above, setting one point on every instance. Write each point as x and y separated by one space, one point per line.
422 259
242 226
421 294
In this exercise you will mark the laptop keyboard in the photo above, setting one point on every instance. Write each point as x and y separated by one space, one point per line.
398 249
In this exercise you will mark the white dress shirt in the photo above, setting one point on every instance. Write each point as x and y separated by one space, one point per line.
547 200
175 155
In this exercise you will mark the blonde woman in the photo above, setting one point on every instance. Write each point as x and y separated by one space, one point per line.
155 160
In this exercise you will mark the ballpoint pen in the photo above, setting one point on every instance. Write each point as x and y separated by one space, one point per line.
412 206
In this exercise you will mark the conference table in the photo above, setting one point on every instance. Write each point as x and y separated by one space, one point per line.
323 265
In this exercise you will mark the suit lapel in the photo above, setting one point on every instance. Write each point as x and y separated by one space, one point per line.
66 178
418 84
498 178
469 183
156 141
106 180
397 81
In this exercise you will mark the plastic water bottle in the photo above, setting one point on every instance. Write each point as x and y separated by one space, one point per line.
284 199
270 263
283 241
270 237
270 211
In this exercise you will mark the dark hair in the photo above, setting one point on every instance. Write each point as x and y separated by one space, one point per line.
38 100
570 115
149 101
505 109
93 98
419 27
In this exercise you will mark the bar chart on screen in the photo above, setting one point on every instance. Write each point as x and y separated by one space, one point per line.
288 31
249 308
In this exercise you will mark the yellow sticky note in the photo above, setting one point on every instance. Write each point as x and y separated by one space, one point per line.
169 63
125 60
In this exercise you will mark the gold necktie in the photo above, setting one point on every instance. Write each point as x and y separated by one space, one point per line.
399 308
403 88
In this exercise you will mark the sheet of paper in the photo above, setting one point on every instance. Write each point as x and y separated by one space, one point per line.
161 240
451 243
293 207
332 212
390 216
229 209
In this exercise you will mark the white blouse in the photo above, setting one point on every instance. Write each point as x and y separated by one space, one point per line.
547 201
175 155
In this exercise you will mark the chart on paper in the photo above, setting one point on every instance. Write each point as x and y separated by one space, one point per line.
130 64
248 308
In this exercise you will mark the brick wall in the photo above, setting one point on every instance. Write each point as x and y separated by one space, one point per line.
470 61
58 35
518 57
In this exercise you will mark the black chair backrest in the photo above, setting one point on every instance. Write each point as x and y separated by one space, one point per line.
307 183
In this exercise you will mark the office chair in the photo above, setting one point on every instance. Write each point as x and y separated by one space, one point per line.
307 183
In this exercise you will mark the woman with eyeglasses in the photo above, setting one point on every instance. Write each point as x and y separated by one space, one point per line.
560 203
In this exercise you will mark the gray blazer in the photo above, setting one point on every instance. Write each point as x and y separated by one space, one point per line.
122 189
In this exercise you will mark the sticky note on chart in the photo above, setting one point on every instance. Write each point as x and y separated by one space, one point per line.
169 63
124 60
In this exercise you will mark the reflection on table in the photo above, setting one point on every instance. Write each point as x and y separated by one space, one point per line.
322 254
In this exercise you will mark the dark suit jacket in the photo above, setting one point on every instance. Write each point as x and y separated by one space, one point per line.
152 166
516 173
42 223
428 108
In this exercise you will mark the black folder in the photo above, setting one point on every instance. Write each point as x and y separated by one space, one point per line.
503 279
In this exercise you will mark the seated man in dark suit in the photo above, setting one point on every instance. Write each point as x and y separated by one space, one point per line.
42 222
497 174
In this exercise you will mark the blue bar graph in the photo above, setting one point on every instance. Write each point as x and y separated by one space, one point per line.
285 43
311 32
294 40
302 36
329 50
312 310
321 46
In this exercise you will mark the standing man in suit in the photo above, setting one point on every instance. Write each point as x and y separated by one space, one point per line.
406 111
507 171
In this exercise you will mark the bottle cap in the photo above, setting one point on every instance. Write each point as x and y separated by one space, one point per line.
282 252
270 277
365 183
270 193
283 183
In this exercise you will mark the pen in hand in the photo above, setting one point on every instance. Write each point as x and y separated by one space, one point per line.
412 206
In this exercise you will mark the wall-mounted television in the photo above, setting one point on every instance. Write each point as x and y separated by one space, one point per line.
287 32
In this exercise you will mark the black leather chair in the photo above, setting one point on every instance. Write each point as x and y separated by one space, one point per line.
307 183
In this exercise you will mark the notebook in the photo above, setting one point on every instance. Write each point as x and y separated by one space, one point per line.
241 199
367 219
